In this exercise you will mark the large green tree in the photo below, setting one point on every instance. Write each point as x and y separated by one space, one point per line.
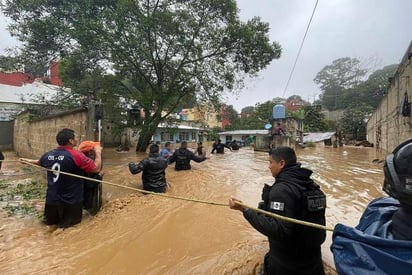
354 120
336 79
24 62
261 115
314 120
163 53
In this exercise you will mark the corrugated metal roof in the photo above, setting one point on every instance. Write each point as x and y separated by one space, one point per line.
317 137
245 132
182 127
28 93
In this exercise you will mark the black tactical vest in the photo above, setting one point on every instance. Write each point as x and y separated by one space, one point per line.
313 206
182 160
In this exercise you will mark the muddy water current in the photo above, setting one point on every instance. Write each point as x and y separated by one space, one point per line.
148 234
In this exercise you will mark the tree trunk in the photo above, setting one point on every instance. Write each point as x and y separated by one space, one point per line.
143 142
148 130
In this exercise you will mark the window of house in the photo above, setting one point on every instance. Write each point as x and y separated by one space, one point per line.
166 136
184 136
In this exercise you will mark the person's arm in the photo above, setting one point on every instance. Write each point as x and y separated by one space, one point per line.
172 158
227 146
235 206
32 161
97 160
286 199
196 158
136 168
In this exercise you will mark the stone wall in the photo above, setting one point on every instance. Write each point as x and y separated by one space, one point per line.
33 138
335 115
388 127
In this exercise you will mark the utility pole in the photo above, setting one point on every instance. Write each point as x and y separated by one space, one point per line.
90 124
94 120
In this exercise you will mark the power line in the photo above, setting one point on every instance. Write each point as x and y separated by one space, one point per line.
300 49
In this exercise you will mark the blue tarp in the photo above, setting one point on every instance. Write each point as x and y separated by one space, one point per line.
369 248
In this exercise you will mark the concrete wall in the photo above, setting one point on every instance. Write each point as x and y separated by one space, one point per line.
33 138
387 127
293 128
333 115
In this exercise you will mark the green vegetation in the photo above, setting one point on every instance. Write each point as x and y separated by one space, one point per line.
345 86
20 210
161 55
17 198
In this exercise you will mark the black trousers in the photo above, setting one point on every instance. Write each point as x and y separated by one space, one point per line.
63 215
161 189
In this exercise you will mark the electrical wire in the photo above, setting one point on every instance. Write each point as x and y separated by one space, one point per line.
300 49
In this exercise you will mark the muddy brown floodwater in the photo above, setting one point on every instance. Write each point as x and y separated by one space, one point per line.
147 234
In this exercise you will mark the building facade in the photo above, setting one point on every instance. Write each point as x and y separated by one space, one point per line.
391 123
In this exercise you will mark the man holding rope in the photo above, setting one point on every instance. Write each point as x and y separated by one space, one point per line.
64 197
293 248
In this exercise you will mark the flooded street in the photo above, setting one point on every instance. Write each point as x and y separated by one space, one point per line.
147 234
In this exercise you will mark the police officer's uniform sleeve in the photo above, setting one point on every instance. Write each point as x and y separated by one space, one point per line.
196 158
173 157
282 201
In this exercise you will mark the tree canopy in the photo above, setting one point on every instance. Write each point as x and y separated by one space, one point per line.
336 79
345 87
161 53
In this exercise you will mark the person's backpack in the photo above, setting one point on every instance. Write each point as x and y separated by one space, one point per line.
313 211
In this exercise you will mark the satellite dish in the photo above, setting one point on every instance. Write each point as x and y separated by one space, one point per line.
268 126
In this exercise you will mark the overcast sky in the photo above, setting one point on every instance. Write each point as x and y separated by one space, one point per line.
377 32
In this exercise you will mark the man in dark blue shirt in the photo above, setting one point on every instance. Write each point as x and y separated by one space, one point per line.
64 197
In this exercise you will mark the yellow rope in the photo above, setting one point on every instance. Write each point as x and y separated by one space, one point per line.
127 187
288 219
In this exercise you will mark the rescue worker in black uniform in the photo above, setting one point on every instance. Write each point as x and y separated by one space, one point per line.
293 248
219 147
153 167
183 156
200 150
234 145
